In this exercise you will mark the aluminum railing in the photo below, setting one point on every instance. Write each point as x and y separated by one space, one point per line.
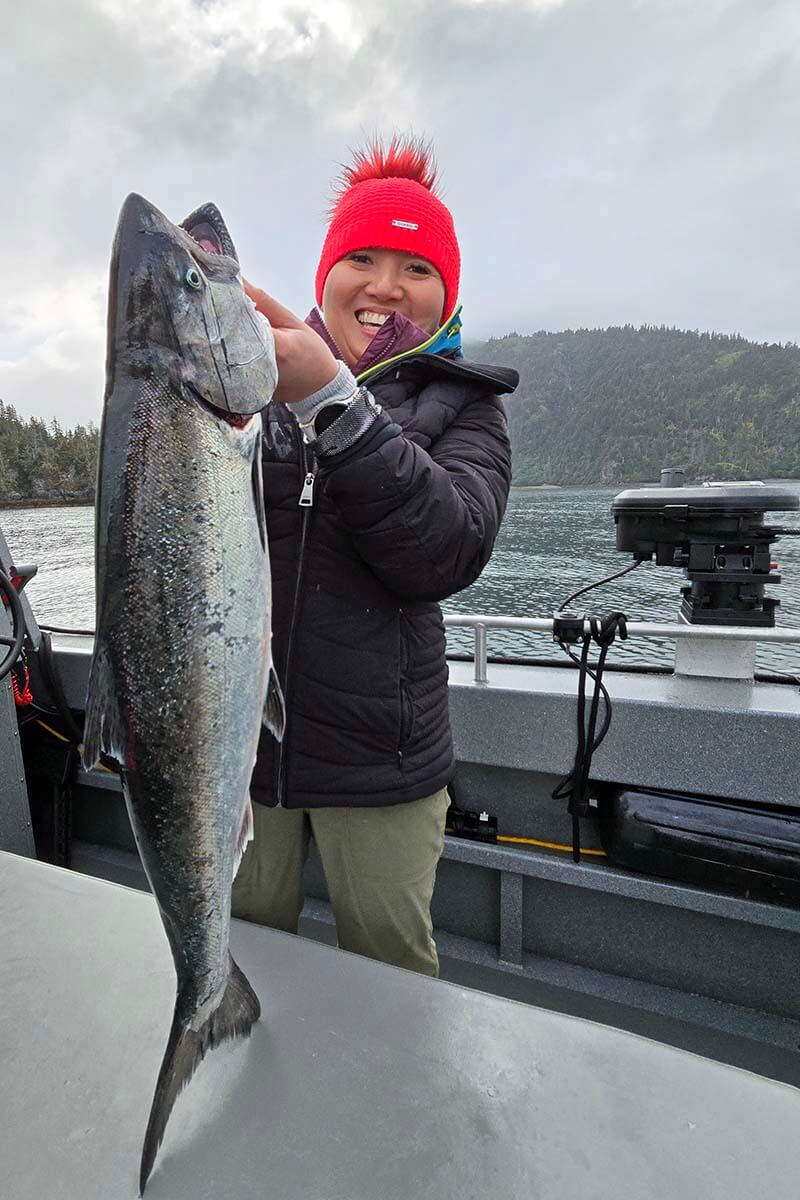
481 623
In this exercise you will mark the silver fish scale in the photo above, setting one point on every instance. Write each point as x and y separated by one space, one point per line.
191 653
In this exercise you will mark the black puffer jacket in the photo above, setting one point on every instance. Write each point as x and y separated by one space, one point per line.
404 518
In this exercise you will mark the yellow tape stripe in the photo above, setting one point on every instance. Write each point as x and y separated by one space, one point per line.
550 845
54 732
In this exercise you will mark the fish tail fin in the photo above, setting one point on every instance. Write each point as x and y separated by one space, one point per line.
186 1048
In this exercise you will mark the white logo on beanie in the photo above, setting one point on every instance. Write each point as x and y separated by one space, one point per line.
405 225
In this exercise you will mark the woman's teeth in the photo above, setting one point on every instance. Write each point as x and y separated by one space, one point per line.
365 317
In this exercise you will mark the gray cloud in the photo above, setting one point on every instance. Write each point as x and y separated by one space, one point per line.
626 160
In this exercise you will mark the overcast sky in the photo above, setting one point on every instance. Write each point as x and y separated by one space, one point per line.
606 161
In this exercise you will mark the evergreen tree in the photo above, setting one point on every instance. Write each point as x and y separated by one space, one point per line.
44 462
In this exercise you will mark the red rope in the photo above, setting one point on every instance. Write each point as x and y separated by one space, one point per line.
22 696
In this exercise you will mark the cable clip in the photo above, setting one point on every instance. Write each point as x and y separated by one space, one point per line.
604 630
568 629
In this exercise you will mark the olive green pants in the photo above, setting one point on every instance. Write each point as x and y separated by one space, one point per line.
380 867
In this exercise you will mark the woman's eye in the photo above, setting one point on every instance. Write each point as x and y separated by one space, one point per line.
359 258
419 268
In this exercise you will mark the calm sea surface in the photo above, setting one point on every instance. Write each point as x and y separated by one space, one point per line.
551 543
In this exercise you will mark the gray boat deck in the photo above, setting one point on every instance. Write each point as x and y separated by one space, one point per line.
361 1082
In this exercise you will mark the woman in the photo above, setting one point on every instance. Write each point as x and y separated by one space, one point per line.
386 475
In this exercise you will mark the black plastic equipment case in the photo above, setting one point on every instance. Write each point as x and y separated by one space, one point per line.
751 850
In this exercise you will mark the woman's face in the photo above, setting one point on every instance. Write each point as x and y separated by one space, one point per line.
366 286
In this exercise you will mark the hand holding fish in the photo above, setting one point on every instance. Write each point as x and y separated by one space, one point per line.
305 364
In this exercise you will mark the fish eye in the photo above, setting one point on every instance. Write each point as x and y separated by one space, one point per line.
194 278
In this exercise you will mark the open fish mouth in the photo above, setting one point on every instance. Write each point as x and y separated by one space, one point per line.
207 227
236 420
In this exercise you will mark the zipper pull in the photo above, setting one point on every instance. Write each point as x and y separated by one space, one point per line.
307 494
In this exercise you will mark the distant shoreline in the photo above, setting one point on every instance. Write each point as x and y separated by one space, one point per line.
638 483
39 503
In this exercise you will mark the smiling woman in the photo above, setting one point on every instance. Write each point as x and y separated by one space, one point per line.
390 254
366 288
379 504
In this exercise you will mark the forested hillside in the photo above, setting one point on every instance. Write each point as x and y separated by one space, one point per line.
593 406
615 405
45 462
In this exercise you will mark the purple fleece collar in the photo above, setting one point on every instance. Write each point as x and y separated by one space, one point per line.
397 335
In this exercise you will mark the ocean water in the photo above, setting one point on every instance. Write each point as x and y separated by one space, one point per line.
551 543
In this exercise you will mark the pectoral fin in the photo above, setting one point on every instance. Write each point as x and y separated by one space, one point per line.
103 731
274 708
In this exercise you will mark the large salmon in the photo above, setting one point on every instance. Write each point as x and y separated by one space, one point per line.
182 670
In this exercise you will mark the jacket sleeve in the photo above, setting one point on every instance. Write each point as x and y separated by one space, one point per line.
425 521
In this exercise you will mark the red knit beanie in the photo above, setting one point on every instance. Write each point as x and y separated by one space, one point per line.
387 200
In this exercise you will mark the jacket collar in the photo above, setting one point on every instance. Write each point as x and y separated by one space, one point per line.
397 336
402 347
423 368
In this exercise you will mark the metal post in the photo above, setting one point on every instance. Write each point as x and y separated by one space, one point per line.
707 658
510 950
480 654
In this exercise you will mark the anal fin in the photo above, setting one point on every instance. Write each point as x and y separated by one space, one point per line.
245 836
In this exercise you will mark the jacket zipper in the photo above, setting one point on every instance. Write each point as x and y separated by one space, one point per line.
406 706
305 502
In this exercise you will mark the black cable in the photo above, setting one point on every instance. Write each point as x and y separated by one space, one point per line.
48 712
574 786
27 720
599 583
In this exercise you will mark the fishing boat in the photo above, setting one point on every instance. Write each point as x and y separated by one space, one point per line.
633 859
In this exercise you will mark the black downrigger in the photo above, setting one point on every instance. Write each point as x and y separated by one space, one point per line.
719 535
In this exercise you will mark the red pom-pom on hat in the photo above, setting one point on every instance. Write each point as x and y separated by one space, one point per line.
387 199
405 158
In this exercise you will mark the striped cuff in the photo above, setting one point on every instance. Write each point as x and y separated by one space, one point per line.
356 419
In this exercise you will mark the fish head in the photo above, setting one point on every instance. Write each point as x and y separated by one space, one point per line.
178 306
